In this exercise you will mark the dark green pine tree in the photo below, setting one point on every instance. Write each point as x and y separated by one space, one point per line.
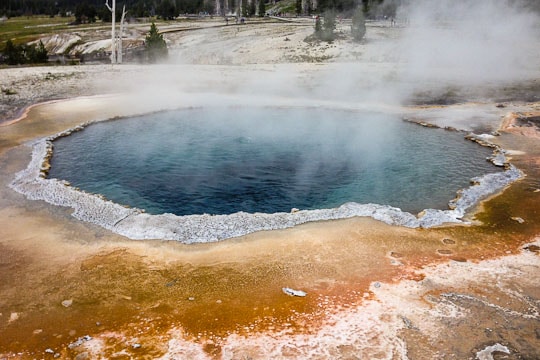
358 26
41 54
262 8
13 54
156 47
252 8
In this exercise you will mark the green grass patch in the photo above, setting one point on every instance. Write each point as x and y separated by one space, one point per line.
24 29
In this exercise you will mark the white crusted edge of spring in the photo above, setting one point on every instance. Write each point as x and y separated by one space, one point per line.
135 224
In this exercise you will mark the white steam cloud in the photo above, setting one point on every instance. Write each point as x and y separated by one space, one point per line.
469 41
467 45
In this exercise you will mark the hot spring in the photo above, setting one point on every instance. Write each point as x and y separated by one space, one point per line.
268 160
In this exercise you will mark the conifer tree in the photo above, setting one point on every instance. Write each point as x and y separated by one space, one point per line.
12 53
262 8
358 26
156 47
252 8
41 54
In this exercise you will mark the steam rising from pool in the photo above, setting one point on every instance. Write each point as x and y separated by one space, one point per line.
361 144
267 160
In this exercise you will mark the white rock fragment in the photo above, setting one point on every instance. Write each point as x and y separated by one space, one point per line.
293 292
487 353
67 303
80 341
498 159
13 317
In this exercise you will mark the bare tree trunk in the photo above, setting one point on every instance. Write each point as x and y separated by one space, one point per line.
113 34
120 37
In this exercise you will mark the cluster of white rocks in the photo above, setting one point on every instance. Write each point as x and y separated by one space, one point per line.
135 224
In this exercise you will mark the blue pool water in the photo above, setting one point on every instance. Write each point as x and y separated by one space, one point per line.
225 160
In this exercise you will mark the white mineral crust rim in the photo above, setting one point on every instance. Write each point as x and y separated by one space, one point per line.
137 225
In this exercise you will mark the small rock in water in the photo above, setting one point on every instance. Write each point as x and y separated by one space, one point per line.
518 219
67 303
136 346
191 298
292 292
377 284
49 351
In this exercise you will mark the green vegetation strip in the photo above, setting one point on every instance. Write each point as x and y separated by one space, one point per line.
28 28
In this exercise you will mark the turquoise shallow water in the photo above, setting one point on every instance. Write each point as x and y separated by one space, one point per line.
225 160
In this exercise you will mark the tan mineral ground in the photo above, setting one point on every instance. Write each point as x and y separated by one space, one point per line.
73 290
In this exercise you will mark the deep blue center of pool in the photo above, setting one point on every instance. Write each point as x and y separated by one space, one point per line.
225 160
